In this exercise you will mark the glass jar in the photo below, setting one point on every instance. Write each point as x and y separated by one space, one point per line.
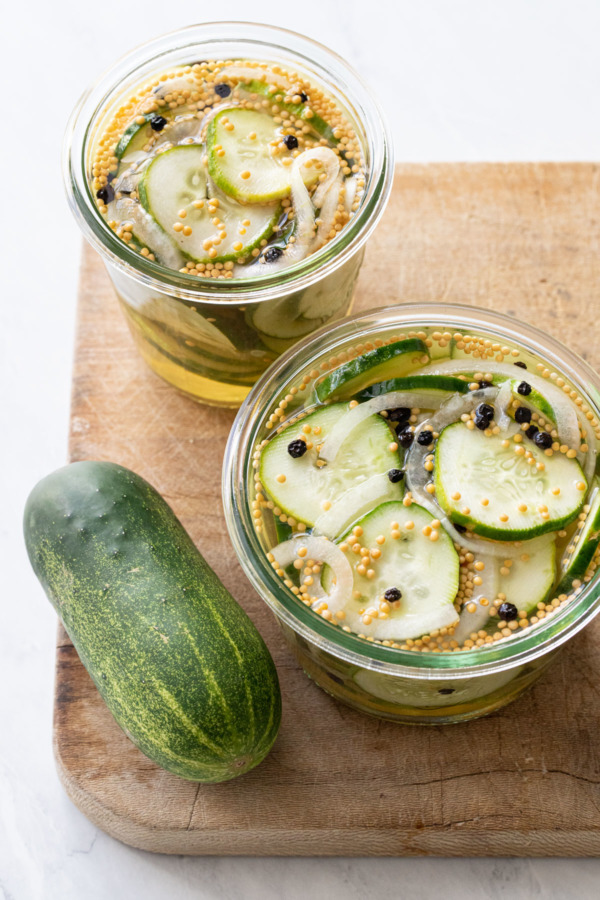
400 685
199 334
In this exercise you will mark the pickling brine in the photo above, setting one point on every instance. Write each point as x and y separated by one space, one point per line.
230 175
228 169
432 492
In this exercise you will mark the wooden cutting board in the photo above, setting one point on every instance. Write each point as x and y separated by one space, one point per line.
521 238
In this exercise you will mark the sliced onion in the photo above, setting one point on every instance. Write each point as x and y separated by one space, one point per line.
488 589
354 503
133 158
327 212
304 210
503 401
324 551
148 232
566 417
350 420
350 185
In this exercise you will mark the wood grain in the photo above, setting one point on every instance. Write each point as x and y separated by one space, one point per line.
523 239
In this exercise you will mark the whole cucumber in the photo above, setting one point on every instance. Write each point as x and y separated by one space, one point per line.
178 662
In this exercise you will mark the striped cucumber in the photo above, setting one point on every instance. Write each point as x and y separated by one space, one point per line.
179 664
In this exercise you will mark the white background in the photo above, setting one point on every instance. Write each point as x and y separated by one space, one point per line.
459 80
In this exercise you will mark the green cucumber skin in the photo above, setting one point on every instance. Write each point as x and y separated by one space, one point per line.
583 557
296 109
178 662
332 386
497 534
414 383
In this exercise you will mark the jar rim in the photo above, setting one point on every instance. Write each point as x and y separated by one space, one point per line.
324 64
532 643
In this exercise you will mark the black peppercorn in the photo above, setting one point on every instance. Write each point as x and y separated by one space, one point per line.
297 449
508 612
395 475
543 440
157 123
522 414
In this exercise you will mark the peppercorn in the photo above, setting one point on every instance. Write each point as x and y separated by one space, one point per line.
392 594
157 123
508 612
222 90
296 449
484 414
446 690
542 439
395 475
522 414
460 528
405 438
303 97
531 432
520 364
272 254
425 438
290 141
400 414
485 384
524 389
106 194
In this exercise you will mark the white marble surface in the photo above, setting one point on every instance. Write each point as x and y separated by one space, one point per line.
466 80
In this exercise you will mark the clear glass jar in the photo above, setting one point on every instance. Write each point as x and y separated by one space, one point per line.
198 333
395 684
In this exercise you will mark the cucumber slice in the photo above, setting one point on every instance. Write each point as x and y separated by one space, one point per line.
437 384
297 110
532 574
433 693
472 467
426 573
389 361
135 136
356 502
584 544
176 180
308 489
248 170
282 318
533 401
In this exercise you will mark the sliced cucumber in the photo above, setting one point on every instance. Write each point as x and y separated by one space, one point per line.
532 571
297 110
433 692
135 136
356 502
471 467
437 384
248 168
176 181
425 572
282 319
584 544
389 361
146 232
307 490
